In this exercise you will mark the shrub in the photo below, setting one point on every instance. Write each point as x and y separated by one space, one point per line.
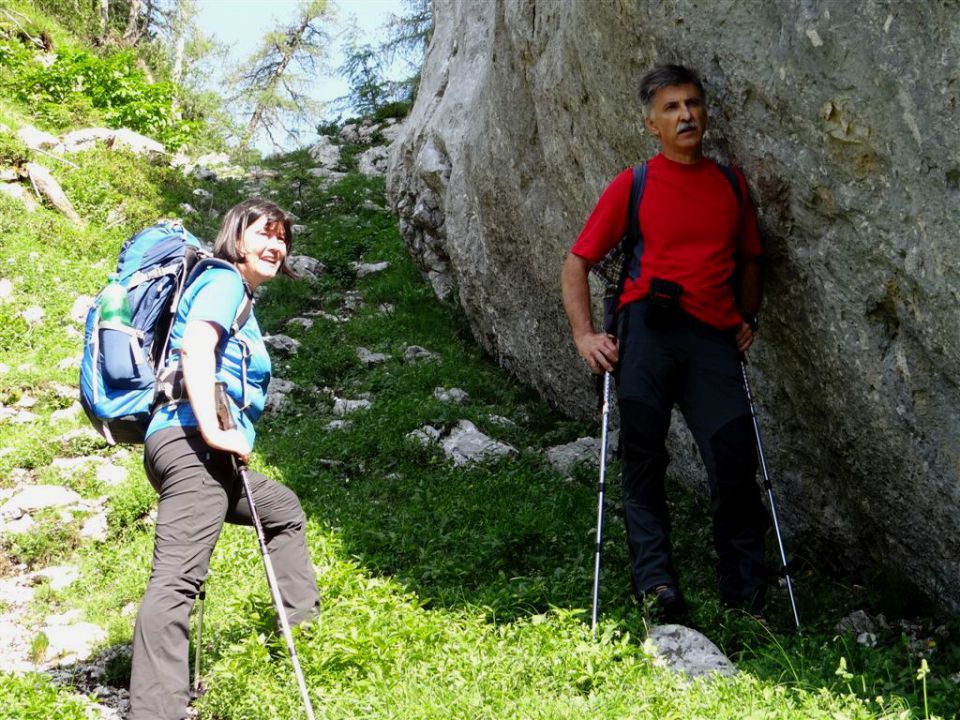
78 84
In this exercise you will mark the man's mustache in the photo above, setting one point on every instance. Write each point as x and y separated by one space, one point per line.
685 126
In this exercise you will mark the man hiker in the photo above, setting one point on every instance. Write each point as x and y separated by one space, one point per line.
686 313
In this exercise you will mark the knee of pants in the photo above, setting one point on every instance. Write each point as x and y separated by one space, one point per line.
643 430
734 454
289 515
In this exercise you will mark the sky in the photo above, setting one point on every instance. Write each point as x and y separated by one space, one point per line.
241 24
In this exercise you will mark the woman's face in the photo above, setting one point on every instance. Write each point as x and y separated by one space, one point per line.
263 249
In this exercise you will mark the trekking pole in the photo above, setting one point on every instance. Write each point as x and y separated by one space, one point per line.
201 596
768 486
605 415
227 423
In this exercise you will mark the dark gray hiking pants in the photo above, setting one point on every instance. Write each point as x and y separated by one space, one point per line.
199 491
697 368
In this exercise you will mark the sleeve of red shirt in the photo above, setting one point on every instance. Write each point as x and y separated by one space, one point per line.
749 244
608 221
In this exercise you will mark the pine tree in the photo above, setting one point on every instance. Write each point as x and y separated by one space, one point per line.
269 86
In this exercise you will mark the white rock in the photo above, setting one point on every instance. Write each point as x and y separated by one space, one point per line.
277 395
187 209
305 323
426 435
78 311
466 444
282 343
371 358
21 193
373 162
23 524
259 173
8 175
136 143
21 417
17 590
25 401
110 474
364 269
36 497
337 425
342 407
349 134
13 647
325 153
38 139
70 363
214 160
6 290
74 411
366 131
501 421
687 651
4 368
67 392
415 353
563 458
352 300
307 267
451 395
202 194
72 464
95 527
86 139
33 314
60 576
391 131
73 642
84 433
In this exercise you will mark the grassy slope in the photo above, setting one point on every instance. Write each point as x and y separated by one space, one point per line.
446 592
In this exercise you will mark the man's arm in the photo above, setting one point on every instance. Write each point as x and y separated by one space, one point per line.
750 296
598 349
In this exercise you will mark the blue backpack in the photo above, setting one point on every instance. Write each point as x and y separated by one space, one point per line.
125 372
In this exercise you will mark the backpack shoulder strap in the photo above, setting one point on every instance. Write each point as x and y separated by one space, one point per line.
731 176
246 306
633 240
633 207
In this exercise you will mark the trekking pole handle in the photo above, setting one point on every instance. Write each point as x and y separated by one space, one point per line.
222 401
224 415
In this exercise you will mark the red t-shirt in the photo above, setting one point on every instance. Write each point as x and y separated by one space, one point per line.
694 232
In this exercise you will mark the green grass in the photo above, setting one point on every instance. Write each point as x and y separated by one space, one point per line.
446 592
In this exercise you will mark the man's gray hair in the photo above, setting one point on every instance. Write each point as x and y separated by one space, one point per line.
666 76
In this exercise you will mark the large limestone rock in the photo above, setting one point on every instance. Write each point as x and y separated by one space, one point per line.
844 116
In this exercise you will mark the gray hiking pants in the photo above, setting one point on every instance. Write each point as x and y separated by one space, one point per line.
199 491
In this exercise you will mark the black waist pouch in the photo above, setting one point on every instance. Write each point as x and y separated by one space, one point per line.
610 314
663 306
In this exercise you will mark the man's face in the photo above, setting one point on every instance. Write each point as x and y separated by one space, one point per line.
678 118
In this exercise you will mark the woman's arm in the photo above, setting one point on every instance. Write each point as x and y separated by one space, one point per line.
199 363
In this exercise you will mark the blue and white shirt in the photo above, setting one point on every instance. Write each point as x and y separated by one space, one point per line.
216 296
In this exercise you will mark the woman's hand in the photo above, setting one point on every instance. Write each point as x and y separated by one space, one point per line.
231 441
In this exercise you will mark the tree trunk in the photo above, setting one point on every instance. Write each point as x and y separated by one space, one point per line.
288 52
104 16
132 33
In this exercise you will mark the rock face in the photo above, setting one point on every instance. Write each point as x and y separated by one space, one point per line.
844 117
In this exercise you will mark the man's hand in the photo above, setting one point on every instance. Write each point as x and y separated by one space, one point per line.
744 337
599 350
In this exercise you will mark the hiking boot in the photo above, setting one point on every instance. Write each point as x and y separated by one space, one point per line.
668 603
